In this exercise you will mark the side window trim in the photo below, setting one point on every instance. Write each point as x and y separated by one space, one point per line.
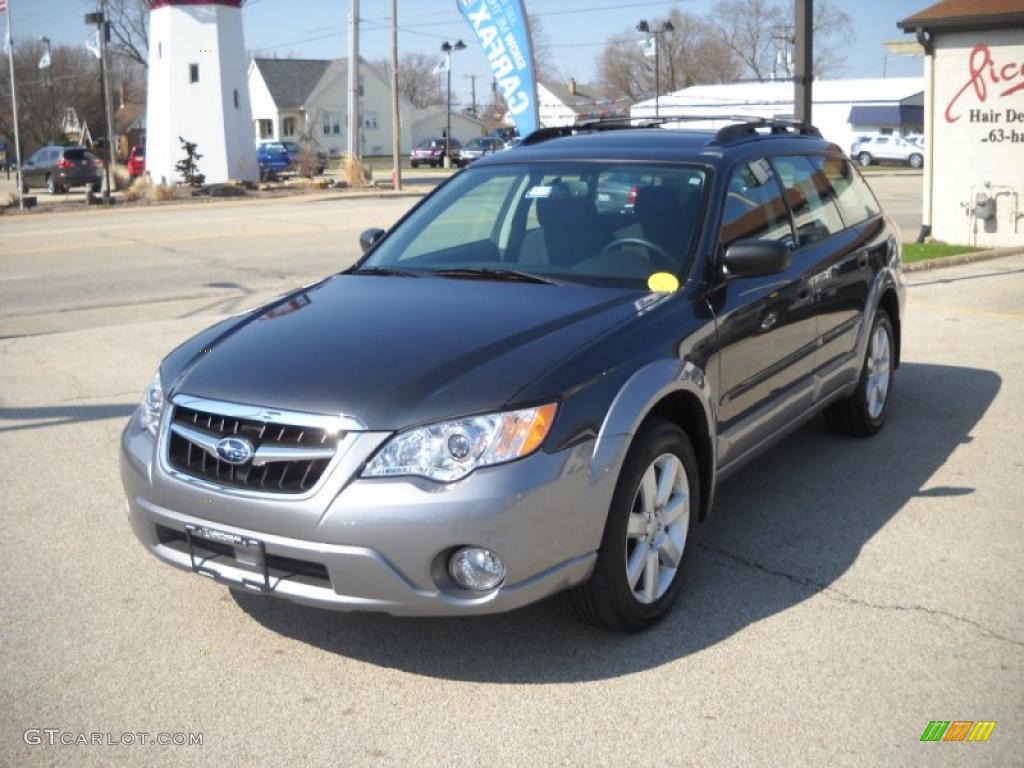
719 248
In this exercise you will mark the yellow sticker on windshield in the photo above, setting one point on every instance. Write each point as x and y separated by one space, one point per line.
663 282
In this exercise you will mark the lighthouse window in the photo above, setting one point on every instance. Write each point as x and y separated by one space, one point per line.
193 73
236 98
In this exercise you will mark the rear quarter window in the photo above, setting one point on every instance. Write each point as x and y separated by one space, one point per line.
811 199
853 196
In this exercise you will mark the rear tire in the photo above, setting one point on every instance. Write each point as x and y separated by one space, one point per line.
864 159
99 185
415 163
650 524
863 413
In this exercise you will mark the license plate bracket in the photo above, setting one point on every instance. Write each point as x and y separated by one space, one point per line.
247 551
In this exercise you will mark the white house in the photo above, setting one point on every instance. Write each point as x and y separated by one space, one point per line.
842 109
572 102
291 97
433 123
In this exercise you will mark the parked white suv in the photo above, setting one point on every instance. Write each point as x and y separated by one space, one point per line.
887 149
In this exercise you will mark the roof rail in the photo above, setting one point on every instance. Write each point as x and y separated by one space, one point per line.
775 126
743 127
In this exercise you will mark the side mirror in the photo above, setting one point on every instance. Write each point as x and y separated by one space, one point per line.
369 238
755 258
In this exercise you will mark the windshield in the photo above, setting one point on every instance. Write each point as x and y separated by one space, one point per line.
601 223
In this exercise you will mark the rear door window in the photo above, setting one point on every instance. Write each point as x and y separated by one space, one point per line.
74 155
754 208
810 198
852 194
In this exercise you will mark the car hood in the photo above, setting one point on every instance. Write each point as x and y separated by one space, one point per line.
396 351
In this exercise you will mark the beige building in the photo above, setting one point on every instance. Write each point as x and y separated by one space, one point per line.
974 120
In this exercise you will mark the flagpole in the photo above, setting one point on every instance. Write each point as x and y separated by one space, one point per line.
14 110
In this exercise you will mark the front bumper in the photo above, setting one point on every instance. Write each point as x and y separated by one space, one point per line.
382 544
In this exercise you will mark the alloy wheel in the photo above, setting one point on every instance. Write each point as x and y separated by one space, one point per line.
879 368
657 528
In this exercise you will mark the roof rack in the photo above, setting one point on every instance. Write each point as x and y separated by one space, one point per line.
743 127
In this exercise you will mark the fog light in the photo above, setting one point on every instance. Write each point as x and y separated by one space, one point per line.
476 568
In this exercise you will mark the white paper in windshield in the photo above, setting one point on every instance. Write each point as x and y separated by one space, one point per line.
538 191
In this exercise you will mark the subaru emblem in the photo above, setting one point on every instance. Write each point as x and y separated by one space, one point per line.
235 450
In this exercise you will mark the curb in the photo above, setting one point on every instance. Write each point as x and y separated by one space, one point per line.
963 258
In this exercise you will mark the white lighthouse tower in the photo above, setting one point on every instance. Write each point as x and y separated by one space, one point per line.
198 90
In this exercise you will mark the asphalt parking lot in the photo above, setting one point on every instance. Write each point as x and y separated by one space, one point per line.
844 594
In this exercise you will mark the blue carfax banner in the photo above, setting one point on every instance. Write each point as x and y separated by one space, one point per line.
503 30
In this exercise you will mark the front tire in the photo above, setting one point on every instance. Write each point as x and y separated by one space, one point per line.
639 569
916 160
864 159
863 413
415 163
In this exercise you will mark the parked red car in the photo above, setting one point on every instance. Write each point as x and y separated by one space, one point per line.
137 161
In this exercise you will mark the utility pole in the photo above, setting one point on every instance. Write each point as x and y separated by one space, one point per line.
472 85
804 74
447 49
14 110
353 81
396 125
99 18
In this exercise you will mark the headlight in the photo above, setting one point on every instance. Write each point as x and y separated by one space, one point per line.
152 405
450 450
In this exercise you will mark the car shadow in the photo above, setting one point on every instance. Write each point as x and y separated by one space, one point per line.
783 529
56 415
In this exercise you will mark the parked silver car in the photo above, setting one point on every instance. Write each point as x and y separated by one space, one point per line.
888 149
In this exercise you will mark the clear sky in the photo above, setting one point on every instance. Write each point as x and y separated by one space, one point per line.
577 29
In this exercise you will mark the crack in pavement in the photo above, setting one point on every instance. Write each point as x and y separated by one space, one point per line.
843 597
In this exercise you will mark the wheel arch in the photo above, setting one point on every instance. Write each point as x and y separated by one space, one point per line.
891 304
675 390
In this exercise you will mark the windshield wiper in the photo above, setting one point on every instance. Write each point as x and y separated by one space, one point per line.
386 271
492 273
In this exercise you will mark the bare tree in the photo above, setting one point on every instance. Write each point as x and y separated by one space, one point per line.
692 53
72 81
545 61
129 21
417 81
755 31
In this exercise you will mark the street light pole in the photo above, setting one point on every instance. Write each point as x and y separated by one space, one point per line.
49 86
447 48
666 26
99 18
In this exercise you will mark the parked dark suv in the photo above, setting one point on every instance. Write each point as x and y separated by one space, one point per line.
60 168
524 387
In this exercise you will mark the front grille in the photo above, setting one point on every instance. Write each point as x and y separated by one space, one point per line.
289 565
279 476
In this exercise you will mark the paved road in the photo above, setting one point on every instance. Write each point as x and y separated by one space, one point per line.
845 593
82 269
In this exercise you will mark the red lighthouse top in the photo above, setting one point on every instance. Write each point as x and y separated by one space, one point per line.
154 4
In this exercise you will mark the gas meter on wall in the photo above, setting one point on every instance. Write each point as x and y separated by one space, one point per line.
984 206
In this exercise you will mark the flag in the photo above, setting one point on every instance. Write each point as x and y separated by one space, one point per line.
92 44
3 6
442 66
44 60
649 47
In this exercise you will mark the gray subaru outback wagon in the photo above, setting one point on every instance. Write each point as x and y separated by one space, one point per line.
533 382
